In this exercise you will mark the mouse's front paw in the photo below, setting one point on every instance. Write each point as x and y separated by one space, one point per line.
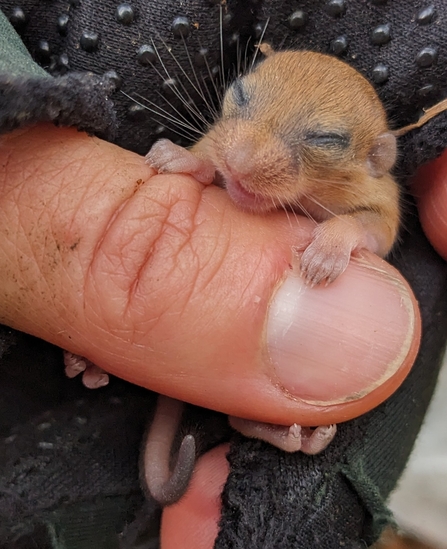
324 261
166 157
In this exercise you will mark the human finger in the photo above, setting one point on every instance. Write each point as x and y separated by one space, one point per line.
193 521
162 281
430 190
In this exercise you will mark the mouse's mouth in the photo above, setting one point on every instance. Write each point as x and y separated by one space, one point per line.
244 199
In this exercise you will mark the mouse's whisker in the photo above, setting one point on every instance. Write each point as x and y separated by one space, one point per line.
194 112
160 60
238 57
161 118
189 137
323 207
276 201
174 89
196 86
191 105
297 202
214 108
217 90
283 207
181 121
213 102
333 183
222 46
246 56
295 215
281 44
407 200
242 57
187 101
260 42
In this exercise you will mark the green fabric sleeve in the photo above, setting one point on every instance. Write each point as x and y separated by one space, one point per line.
14 57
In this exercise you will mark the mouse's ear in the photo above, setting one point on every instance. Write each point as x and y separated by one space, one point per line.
266 49
382 155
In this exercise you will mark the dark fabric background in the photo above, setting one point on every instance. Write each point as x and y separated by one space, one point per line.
68 474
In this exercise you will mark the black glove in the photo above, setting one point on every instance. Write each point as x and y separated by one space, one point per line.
272 500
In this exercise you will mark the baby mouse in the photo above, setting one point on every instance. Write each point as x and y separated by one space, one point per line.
301 131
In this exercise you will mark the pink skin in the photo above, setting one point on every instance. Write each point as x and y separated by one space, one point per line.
317 264
92 376
324 259
170 158
290 439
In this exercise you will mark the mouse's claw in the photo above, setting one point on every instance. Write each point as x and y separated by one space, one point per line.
314 441
289 439
166 157
318 266
327 256
333 242
321 263
74 364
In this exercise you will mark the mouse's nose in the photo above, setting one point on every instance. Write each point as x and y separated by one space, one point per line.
239 158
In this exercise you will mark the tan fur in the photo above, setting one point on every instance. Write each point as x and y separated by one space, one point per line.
298 91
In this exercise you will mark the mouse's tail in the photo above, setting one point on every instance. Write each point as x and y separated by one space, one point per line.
164 486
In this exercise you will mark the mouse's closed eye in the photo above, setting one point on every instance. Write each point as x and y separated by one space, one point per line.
240 93
237 102
328 140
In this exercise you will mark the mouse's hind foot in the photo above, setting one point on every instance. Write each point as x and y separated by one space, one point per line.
166 157
290 439
93 377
